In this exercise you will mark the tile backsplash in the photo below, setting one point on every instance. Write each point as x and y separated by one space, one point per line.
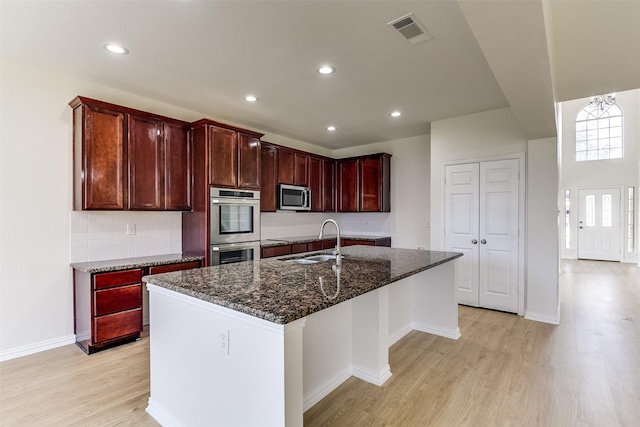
102 235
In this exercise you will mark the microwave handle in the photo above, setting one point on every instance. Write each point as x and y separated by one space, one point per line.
304 199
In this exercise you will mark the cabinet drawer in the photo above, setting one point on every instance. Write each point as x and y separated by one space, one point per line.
118 325
297 248
351 242
117 299
174 267
314 246
117 278
329 244
276 251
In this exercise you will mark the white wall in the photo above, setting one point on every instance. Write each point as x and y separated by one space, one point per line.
620 173
542 301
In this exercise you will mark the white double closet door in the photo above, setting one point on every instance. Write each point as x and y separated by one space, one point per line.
482 221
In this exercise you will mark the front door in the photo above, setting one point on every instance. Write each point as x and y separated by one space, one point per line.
599 224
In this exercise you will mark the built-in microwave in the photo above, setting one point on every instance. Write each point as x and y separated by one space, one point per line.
294 198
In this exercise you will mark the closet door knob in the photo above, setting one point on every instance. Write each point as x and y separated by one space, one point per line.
483 241
474 241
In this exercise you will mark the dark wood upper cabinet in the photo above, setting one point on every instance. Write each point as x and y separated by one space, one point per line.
328 185
364 183
293 167
315 183
177 161
100 155
375 183
129 159
301 168
248 161
348 185
286 166
268 177
233 154
146 163
223 151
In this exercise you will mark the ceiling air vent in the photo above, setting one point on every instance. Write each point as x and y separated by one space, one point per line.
411 29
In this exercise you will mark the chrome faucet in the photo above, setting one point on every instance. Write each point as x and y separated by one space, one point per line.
337 250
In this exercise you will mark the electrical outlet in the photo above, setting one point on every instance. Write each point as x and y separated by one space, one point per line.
131 229
224 341
428 224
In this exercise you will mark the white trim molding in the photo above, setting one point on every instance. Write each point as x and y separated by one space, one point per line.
37 347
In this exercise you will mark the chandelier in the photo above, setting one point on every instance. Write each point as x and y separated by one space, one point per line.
602 101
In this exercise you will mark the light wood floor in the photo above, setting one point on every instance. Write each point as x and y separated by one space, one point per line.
503 371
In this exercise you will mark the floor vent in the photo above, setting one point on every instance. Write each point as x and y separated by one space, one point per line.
411 29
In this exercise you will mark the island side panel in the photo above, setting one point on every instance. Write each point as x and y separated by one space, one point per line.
435 306
370 328
195 380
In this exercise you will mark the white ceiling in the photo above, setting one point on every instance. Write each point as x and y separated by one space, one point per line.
207 55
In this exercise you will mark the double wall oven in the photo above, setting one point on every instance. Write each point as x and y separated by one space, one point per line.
234 229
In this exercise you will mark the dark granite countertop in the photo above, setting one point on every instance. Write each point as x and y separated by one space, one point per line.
281 292
137 262
308 239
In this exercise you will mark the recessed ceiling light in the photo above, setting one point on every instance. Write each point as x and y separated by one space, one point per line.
326 69
250 98
396 114
331 128
116 48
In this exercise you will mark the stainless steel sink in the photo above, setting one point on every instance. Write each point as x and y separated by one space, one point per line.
313 259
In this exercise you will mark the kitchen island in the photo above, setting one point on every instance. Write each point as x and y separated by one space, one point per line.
257 343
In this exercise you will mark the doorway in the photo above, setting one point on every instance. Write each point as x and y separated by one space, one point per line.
482 220
599 224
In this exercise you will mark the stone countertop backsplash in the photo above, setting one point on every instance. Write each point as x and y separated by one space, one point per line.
129 263
281 292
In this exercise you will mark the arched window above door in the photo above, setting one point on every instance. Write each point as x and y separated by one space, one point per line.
599 132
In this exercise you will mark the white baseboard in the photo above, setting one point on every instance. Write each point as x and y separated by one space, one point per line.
161 415
453 334
321 392
544 318
36 348
397 336
370 376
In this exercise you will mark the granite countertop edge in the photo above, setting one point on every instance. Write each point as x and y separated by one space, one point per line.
300 312
135 262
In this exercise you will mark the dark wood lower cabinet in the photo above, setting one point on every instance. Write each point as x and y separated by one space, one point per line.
316 245
108 305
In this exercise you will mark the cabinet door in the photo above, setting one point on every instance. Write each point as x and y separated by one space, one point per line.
223 148
249 162
268 177
329 185
285 166
103 157
301 167
375 183
315 183
370 184
348 185
177 176
146 163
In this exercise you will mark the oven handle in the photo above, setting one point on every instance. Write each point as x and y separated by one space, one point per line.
234 201
235 246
